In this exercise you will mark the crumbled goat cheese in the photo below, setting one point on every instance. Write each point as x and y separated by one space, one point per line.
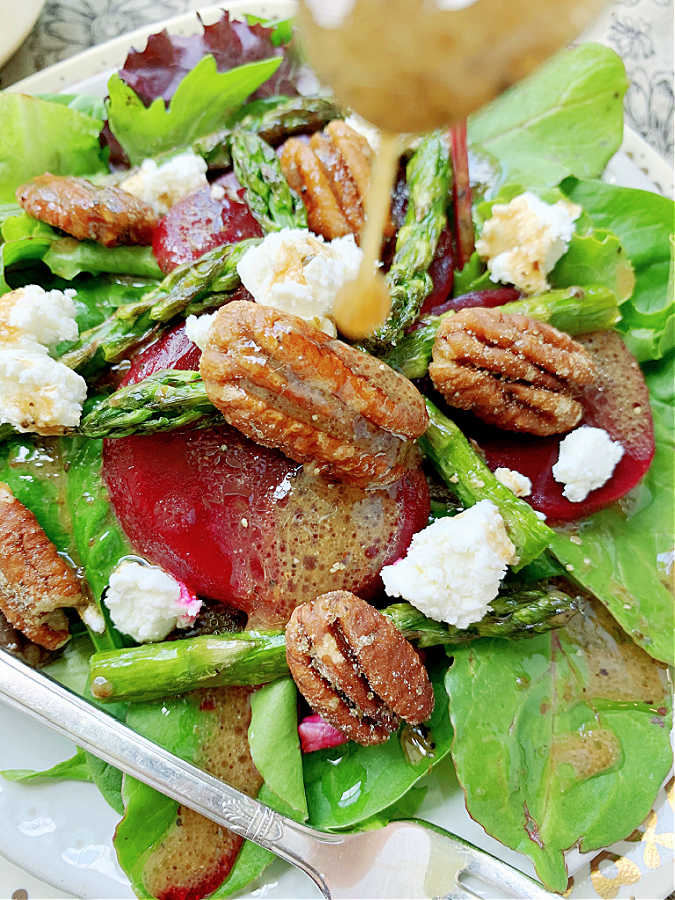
454 566
515 481
524 239
93 618
299 273
46 317
147 603
164 185
197 328
38 393
586 460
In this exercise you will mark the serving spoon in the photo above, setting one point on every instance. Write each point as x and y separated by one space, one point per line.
404 859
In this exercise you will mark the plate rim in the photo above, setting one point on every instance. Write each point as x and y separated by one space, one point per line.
110 54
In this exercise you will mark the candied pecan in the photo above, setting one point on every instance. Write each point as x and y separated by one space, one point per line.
88 211
510 370
331 173
285 384
355 668
35 582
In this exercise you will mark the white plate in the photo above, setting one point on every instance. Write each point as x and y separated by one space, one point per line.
63 832
18 17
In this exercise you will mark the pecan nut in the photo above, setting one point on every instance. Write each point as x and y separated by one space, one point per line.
87 211
331 173
285 384
355 668
510 370
35 582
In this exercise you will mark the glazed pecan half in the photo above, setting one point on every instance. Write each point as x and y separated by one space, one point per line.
35 582
355 668
510 370
331 173
285 384
88 211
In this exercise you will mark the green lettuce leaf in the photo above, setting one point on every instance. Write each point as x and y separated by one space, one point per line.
84 103
644 222
67 257
202 102
73 769
348 784
566 119
37 136
26 240
560 739
624 554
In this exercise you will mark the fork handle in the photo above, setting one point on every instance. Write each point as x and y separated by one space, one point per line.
94 730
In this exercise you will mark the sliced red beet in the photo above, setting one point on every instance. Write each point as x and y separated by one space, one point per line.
316 734
489 298
617 401
245 525
442 271
201 222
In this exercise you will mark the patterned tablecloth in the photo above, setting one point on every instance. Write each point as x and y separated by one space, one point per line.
641 31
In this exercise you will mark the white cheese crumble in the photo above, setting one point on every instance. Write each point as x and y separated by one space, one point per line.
38 393
299 273
524 239
162 186
147 603
454 566
197 328
586 460
515 481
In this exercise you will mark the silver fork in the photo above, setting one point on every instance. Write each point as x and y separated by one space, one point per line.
405 859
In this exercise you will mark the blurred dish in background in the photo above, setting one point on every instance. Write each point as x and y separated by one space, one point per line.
17 21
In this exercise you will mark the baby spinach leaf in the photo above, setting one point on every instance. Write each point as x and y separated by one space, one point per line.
566 119
108 780
182 725
33 468
560 739
624 554
275 746
73 769
99 539
643 221
203 100
37 136
350 783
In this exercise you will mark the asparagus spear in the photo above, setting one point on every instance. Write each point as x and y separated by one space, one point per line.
161 402
471 480
273 119
575 310
270 198
254 657
188 289
408 279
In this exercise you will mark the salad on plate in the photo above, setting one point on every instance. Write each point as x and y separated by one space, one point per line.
317 568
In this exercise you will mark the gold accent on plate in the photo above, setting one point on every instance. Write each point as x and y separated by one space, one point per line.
627 871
